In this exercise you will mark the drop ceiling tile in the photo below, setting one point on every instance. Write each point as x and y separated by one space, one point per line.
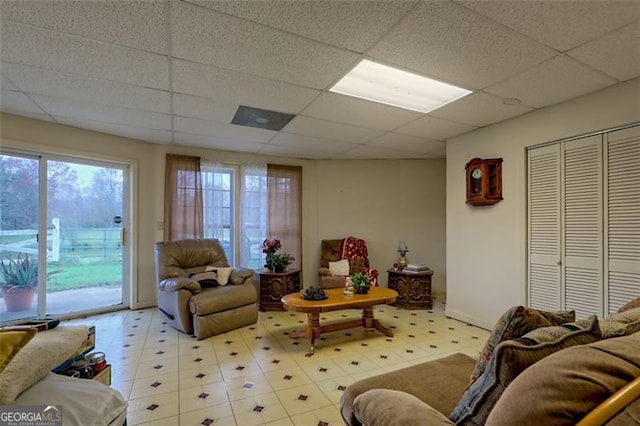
617 54
138 24
434 128
479 109
240 88
375 153
291 152
18 103
5 83
556 80
559 24
358 112
53 83
82 110
289 140
407 143
35 116
205 108
221 130
214 142
132 132
336 23
453 44
47 49
330 130
205 36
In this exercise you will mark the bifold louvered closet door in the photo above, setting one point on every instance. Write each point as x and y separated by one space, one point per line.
584 223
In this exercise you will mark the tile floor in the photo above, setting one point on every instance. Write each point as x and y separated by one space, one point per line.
257 375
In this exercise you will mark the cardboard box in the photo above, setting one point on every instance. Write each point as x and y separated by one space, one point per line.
104 376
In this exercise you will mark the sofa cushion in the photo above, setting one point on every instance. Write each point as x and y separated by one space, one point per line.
511 358
218 299
384 407
516 322
567 385
621 324
448 376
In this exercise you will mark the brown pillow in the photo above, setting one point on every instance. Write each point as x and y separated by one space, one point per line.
567 385
635 303
516 322
621 324
511 358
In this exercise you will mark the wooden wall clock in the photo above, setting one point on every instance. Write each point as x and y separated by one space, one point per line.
484 181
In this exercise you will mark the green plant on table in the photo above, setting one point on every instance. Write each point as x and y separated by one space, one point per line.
279 262
361 283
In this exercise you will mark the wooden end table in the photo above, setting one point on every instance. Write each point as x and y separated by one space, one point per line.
274 285
414 288
337 300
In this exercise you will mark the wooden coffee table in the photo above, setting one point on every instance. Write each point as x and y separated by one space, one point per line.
338 300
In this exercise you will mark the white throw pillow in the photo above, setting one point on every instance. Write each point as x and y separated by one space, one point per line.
340 267
223 275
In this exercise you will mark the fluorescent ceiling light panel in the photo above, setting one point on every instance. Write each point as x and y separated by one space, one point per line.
381 83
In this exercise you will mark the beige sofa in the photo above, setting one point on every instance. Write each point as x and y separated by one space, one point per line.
561 382
208 307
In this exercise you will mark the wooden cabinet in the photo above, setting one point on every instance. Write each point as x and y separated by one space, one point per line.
414 288
275 285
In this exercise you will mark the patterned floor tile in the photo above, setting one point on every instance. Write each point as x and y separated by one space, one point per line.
239 377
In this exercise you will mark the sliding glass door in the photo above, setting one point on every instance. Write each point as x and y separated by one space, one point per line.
70 219
19 224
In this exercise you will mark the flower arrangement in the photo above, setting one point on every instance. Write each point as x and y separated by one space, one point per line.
276 262
270 246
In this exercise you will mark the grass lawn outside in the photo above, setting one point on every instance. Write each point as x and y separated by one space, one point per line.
72 276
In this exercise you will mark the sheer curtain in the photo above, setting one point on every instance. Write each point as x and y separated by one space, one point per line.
284 184
253 214
182 198
217 184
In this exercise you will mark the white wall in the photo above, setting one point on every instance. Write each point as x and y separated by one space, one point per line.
486 246
381 201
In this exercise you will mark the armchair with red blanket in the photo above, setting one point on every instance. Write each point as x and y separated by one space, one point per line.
334 269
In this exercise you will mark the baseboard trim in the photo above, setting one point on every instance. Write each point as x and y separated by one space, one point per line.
468 319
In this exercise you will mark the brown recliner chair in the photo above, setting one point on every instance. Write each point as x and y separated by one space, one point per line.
202 310
354 250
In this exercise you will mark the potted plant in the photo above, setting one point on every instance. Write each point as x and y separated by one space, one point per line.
279 262
274 261
18 281
361 283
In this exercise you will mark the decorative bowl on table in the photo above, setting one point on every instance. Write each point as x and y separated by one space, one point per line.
314 293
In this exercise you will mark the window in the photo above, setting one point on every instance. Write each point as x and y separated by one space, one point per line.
218 190
235 210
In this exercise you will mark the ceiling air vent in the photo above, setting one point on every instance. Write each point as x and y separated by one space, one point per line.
261 118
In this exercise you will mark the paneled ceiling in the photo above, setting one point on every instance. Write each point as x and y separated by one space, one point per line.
175 72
